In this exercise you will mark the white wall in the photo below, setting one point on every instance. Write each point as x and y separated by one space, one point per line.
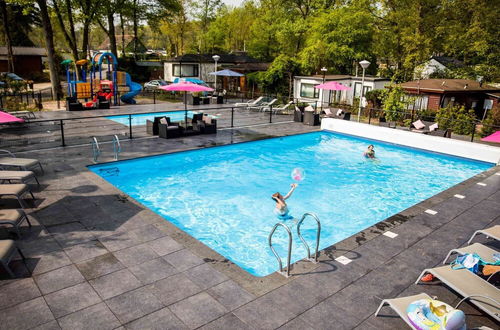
203 71
443 145
428 68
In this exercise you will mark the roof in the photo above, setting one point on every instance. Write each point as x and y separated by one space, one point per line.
238 57
447 85
24 51
448 61
333 77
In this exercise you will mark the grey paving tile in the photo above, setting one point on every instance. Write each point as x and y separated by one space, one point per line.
91 318
262 313
59 279
159 320
52 325
146 233
165 245
47 262
99 266
26 315
135 255
296 324
71 234
72 299
17 292
86 250
326 315
153 270
228 321
39 246
183 259
116 283
230 294
198 310
117 241
205 276
174 288
134 304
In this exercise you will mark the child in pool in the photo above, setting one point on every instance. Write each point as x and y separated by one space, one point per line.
281 209
370 152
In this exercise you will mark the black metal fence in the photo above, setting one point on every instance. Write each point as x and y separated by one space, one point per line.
26 99
48 133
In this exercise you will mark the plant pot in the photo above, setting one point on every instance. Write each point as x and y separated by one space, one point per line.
220 99
311 118
206 100
193 100
298 116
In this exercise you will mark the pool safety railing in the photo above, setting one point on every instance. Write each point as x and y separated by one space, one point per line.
281 271
96 150
290 240
318 232
117 148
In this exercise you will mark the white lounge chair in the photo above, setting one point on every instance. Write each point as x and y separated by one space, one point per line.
21 163
21 176
399 305
16 190
473 288
7 250
483 251
14 218
493 232
282 109
264 105
250 103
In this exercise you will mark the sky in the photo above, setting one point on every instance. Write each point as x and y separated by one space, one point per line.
233 2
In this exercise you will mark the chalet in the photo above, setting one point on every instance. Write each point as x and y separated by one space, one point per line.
434 65
438 93
304 90
27 61
198 66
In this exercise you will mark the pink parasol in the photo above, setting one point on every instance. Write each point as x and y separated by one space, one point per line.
333 86
186 86
495 137
6 118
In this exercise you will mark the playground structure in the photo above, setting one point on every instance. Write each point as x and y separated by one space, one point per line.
102 87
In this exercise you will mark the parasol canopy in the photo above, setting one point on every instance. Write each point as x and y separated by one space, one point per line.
495 137
333 86
226 73
6 118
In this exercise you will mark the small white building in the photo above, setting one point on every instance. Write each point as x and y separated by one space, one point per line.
198 66
435 64
304 90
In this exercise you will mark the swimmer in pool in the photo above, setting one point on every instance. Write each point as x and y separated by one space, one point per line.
370 152
281 209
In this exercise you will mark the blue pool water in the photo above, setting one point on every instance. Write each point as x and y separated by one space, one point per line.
140 119
222 195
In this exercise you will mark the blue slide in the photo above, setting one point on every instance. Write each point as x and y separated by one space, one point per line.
135 89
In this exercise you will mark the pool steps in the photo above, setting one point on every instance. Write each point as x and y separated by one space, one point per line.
96 149
289 232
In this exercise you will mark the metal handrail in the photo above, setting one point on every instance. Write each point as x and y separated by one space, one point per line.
280 224
117 148
315 259
96 150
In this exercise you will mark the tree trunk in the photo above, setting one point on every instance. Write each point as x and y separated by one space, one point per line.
8 39
135 28
85 38
122 26
111 33
49 45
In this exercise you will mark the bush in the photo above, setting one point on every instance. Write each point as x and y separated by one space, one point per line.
491 123
375 96
456 118
395 102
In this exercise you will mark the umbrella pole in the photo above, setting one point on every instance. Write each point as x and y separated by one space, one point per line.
185 110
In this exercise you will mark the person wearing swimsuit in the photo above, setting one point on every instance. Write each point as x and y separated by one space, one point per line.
370 152
281 209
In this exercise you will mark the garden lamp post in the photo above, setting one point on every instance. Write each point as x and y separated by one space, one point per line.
324 70
364 64
216 58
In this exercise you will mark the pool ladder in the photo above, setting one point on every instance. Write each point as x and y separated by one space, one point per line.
290 240
96 149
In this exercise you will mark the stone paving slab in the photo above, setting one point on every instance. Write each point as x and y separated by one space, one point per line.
92 242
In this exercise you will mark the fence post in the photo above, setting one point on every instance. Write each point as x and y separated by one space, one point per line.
62 133
130 126
370 116
51 94
154 96
270 114
40 106
232 117
473 132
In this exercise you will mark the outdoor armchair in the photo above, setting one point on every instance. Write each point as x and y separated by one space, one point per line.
168 129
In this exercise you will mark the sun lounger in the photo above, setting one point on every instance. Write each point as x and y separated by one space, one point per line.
22 163
493 232
21 176
7 250
264 106
399 305
250 103
483 251
16 190
14 218
479 292
277 109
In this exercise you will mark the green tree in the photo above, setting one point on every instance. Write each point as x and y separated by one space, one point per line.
457 118
395 102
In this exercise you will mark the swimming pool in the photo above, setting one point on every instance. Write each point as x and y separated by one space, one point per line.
222 195
140 119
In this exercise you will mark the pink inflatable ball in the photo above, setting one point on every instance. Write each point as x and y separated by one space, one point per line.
298 174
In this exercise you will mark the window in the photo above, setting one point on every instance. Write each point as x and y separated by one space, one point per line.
308 90
188 70
357 89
